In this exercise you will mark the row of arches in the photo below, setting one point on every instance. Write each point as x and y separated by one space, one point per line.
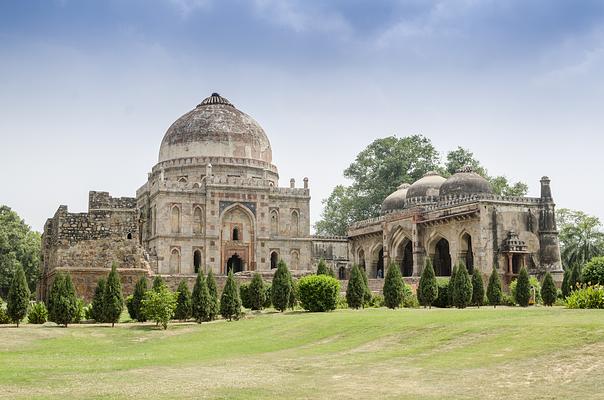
294 223
176 220
402 254
234 263
294 259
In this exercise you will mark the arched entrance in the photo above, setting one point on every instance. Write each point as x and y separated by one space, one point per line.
362 259
342 273
467 255
274 259
442 258
196 261
379 267
235 264
407 261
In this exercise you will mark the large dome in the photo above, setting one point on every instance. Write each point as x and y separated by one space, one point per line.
396 200
215 128
465 181
427 185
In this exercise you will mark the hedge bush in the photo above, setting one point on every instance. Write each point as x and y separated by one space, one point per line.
593 273
244 294
549 293
534 282
443 300
586 297
318 293
37 313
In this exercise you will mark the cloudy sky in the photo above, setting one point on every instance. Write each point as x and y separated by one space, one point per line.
88 88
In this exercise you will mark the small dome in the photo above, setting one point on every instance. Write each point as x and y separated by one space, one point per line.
464 182
427 185
396 200
215 128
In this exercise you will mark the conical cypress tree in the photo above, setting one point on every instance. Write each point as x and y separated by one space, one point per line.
462 287
451 284
293 294
523 288
494 292
98 307
565 282
477 288
322 268
63 301
157 282
428 287
575 277
183 302
257 292
282 287
355 291
18 297
137 297
213 291
230 302
201 300
112 298
394 287
548 290
367 296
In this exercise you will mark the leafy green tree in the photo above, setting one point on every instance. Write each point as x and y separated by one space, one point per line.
548 290
462 287
159 305
213 291
428 286
523 288
18 297
593 272
158 282
257 292
63 304
183 302
323 269
19 246
575 277
394 287
113 300
566 282
38 314
477 288
581 237
201 299
230 303
281 287
137 299
98 305
494 292
503 187
355 291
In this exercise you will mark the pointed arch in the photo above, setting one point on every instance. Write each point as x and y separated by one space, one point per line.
274 216
174 261
196 261
197 220
294 260
439 251
295 223
466 251
175 219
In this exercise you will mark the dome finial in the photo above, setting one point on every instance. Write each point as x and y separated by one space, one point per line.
215 98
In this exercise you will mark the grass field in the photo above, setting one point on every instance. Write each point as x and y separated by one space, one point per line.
534 353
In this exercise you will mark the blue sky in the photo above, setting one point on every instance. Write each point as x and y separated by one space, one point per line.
88 88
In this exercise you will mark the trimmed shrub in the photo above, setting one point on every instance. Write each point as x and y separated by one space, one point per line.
293 294
508 300
341 302
549 292
97 305
183 309
318 293
213 291
566 282
79 314
377 301
533 283
574 280
477 288
4 319
137 298
244 293
393 287
37 313
62 300
494 292
410 300
230 302
451 282
201 301
462 287
355 291
444 298
18 297
158 305
88 312
257 293
586 297
428 287
522 294
112 298
267 295
593 272
281 287
368 294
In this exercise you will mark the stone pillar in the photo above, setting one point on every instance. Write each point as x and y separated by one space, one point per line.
292 183
548 234
418 250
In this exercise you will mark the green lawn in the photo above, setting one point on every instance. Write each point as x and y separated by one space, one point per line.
513 353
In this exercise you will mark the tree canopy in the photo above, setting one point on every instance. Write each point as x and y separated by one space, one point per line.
581 237
19 246
382 166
